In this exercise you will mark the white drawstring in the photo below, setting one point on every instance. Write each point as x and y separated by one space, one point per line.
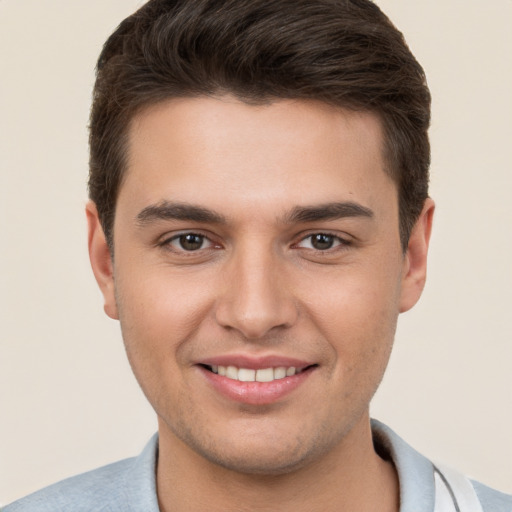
454 492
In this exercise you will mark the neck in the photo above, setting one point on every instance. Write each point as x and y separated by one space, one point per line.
351 477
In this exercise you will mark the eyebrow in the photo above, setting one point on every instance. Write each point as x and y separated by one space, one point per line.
328 211
167 210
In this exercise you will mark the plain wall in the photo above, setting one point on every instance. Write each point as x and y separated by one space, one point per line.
68 401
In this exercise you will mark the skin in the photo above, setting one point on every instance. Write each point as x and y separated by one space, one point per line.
257 286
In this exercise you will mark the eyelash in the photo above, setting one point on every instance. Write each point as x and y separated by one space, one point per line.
179 238
337 242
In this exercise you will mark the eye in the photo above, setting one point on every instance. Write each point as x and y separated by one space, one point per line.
189 242
321 242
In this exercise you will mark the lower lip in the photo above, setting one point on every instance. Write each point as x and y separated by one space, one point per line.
256 393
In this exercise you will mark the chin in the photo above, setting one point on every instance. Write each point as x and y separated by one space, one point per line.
260 453
259 464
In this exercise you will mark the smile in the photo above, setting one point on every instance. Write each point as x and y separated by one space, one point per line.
255 380
253 375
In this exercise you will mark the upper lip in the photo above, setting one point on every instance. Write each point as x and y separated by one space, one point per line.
255 363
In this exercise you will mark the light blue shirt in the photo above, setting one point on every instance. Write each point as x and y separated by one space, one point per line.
130 486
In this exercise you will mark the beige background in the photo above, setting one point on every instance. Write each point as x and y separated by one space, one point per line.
68 401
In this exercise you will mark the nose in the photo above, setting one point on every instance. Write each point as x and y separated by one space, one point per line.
256 297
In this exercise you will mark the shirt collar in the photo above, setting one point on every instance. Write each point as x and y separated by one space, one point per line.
415 473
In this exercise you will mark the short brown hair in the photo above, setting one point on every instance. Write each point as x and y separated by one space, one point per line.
343 52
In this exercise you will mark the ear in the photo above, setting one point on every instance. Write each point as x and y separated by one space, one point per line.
415 260
101 260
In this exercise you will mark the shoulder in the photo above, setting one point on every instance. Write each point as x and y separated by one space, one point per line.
418 488
491 499
122 486
88 491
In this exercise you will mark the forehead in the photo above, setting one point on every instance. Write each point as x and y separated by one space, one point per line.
227 153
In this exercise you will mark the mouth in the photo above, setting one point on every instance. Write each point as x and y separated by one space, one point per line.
263 384
256 375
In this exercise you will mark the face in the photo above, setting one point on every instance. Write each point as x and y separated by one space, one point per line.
258 275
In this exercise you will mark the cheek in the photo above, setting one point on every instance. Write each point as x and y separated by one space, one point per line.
355 301
357 316
158 317
159 312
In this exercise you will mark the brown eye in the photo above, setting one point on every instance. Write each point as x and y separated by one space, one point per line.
189 242
322 242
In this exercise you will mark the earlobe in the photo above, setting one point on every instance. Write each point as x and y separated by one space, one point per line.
101 261
415 260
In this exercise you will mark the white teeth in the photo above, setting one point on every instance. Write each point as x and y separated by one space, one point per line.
249 375
232 372
266 375
279 373
246 375
290 371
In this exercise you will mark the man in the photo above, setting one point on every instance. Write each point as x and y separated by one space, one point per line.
259 217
